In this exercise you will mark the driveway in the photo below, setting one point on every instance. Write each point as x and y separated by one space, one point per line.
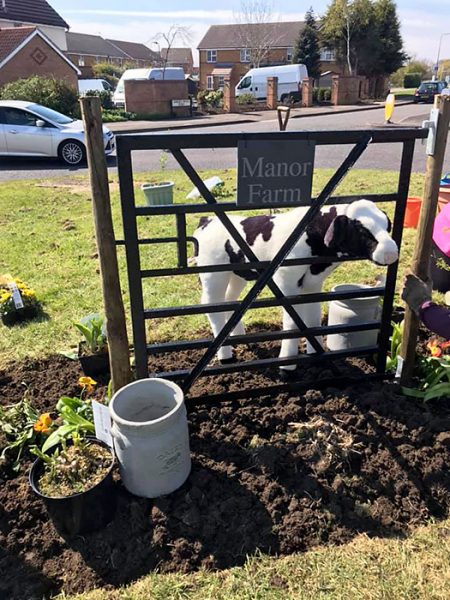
379 156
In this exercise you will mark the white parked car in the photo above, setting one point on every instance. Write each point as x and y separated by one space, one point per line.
28 129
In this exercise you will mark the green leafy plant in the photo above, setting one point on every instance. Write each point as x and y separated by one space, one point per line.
92 327
434 373
396 343
246 99
221 191
74 416
48 91
20 426
75 467
105 98
28 297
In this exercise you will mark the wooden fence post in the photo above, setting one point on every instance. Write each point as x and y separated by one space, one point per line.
119 356
422 250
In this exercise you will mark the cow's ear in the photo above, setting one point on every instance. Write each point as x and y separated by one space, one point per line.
335 233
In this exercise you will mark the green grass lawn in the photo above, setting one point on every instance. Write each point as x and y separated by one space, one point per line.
47 239
415 568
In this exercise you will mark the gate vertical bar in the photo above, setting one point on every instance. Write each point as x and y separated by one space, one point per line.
128 201
182 241
397 235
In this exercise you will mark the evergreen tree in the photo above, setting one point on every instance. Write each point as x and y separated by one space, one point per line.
391 55
307 47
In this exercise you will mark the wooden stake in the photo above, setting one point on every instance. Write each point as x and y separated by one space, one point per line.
119 356
422 249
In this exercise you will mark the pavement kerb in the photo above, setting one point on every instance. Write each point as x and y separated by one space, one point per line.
238 121
348 110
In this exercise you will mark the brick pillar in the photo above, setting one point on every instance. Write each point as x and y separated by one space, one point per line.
307 92
229 95
335 90
272 92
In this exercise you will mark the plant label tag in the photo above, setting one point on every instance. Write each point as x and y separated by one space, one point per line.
16 296
102 422
398 373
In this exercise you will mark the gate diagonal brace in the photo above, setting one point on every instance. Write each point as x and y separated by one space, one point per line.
265 278
248 252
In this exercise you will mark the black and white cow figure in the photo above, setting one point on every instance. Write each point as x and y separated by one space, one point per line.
357 229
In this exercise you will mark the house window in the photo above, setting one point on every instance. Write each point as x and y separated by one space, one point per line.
221 82
245 55
81 61
210 82
289 54
211 56
326 54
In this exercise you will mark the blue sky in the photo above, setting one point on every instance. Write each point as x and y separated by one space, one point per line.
141 20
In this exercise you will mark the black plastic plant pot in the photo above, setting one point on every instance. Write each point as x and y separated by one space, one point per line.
440 269
84 512
19 315
94 364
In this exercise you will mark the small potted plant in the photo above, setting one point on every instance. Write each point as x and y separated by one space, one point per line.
159 194
75 483
93 350
18 302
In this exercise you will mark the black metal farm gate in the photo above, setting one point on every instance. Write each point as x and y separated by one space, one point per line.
176 143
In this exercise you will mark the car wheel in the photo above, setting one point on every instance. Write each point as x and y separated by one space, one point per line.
72 152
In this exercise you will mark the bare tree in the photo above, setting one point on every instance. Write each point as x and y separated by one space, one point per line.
175 34
257 29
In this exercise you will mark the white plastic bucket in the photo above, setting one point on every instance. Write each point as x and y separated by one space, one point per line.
151 437
351 312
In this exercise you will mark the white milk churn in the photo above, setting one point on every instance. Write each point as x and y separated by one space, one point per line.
151 437
351 312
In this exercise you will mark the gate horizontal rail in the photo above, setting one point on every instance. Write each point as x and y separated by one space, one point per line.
225 207
262 363
174 141
198 309
268 336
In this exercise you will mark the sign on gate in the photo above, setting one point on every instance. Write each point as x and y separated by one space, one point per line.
275 173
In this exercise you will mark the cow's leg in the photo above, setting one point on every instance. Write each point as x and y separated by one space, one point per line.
235 287
309 313
214 289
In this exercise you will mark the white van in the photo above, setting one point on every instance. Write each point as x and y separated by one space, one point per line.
289 81
93 85
155 73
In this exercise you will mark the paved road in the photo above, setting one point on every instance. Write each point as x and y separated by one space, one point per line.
379 156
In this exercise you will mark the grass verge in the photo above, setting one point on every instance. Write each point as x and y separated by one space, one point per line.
415 568
47 239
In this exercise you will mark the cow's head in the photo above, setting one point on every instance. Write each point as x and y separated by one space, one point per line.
363 231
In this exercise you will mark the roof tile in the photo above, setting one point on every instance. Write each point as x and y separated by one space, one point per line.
31 11
12 37
284 34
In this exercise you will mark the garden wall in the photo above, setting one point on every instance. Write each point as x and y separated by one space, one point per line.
154 97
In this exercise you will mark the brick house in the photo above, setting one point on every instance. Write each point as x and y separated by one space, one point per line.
27 51
86 50
179 57
223 50
138 54
26 13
